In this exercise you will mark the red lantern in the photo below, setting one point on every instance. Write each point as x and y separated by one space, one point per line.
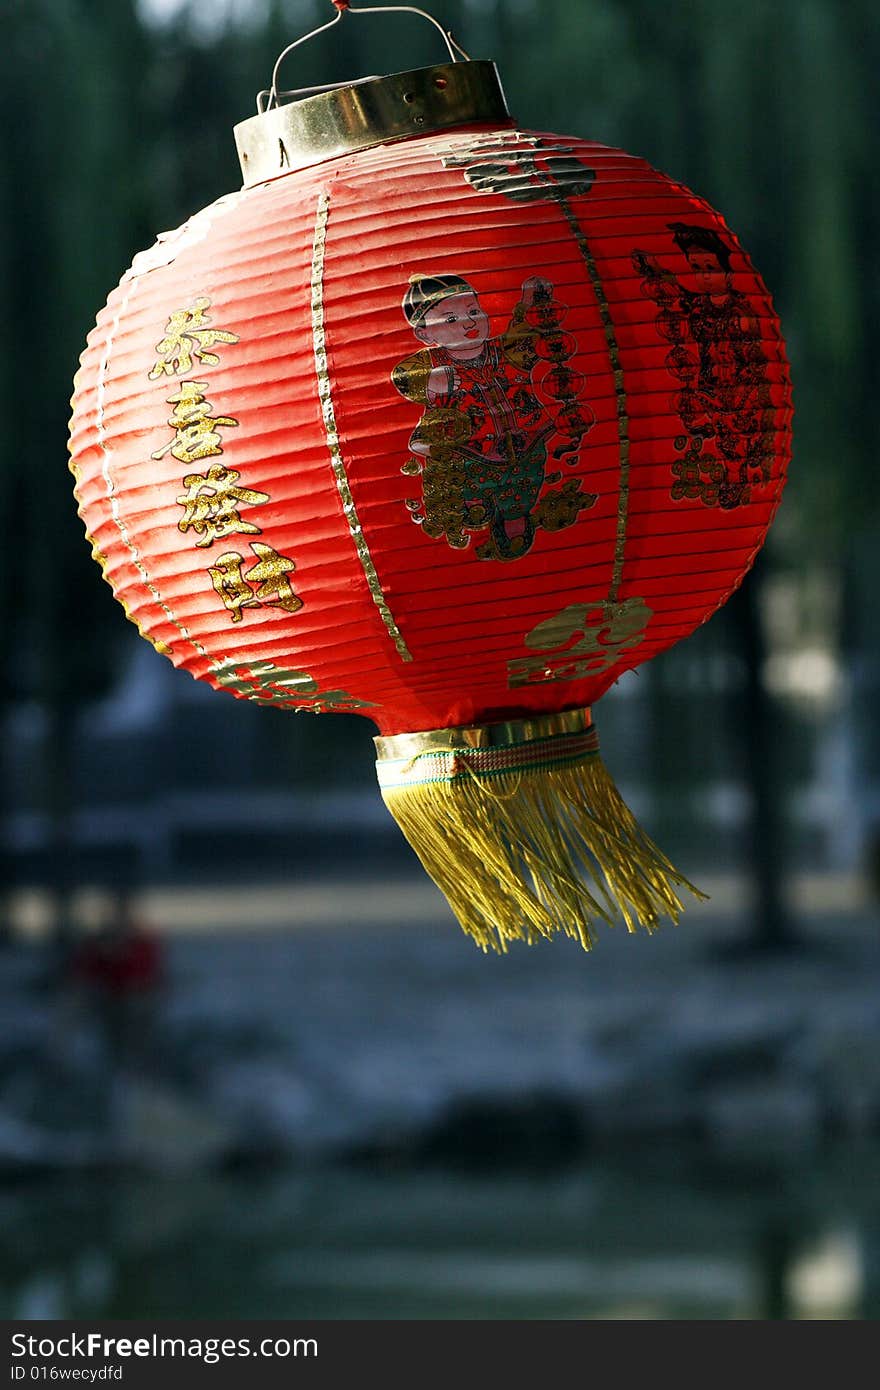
449 424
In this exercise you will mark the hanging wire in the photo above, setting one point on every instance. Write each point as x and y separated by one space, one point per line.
269 97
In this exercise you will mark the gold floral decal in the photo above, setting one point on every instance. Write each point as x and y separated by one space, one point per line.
522 167
582 640
269 684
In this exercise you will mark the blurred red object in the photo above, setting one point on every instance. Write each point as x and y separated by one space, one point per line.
119 962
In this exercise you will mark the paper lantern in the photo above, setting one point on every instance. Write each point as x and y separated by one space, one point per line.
449 424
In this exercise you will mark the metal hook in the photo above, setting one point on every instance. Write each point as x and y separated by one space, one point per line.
271 94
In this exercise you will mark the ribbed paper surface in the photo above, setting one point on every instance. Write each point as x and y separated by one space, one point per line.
239 466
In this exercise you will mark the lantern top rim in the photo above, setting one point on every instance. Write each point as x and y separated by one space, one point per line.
372 111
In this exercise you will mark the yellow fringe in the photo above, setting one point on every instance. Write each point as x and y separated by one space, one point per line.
525 854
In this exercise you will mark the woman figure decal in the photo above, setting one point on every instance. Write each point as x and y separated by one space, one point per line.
484 439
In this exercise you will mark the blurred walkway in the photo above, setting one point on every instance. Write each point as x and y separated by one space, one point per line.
396 901
355 1018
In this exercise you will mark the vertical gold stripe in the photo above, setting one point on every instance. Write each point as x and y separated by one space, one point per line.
620 393
319 339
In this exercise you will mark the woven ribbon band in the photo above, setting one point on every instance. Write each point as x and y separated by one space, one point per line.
452 763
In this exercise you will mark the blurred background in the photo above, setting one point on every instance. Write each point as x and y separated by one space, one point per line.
249 1067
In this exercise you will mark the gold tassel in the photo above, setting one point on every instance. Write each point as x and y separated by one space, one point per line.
524 832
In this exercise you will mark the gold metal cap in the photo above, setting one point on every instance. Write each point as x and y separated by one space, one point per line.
374 111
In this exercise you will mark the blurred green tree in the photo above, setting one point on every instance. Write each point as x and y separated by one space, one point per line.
75 210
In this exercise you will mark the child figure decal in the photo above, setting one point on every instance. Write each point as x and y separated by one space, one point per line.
495 411
718 360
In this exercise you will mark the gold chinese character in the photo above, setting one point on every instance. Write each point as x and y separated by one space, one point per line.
187 340
227 579
211 505
195 434
270 573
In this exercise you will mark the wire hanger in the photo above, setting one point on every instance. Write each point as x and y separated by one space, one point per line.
269 97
